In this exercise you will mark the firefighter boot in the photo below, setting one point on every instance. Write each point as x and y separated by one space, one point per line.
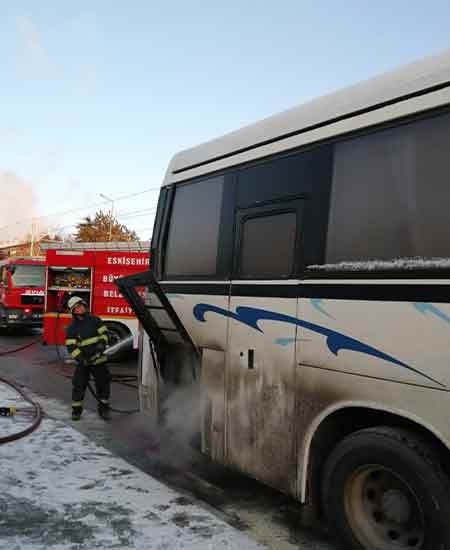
104 410
76 412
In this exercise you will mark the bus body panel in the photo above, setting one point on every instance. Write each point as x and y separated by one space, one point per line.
206 335
270 411
321 393
260 394
278 365
400 341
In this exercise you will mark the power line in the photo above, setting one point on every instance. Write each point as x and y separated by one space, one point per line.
62 213
138 193
78 209
132 213
126 215
149 214
59 228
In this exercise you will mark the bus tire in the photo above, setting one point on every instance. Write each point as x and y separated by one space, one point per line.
384 488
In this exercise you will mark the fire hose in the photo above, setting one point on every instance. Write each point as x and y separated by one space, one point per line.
36 408
122 379
110 350
15 350
35 413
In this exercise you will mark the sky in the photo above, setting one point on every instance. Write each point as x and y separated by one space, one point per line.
96 96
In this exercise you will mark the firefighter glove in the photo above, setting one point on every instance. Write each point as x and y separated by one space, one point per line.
82 361
100 346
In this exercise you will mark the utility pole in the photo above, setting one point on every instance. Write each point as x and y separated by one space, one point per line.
32 238
111 213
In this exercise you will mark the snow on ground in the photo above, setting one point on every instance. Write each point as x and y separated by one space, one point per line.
61 491
10 425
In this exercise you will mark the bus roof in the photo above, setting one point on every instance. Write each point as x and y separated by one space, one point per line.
418 86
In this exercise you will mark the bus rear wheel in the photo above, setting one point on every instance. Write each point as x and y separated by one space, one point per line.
383 489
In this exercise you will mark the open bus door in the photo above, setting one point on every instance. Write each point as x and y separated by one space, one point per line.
165 332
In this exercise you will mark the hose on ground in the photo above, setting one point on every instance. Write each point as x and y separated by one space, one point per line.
15 350
121 379
121 411
37 414
91 389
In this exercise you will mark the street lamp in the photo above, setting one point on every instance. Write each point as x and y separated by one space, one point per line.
111 214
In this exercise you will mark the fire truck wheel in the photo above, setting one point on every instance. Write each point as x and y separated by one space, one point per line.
117 332
384 488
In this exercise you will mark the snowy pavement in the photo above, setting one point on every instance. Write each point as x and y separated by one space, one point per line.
59 490
264 515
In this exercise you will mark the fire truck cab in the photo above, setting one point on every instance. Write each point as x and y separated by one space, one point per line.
22 282
88 270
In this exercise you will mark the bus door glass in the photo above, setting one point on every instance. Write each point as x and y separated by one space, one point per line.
260 377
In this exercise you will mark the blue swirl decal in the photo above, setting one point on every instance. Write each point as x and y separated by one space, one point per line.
288 341
425 308
285 342
317 304
336 341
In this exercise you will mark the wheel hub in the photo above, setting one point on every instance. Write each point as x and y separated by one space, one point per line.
383 511
396 506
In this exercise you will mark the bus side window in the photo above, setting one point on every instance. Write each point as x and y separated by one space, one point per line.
390 194
267 242
192 244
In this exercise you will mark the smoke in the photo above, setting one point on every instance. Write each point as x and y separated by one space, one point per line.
180 429
182 412
175 438
18 205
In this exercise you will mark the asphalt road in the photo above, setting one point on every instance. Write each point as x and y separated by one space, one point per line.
264 514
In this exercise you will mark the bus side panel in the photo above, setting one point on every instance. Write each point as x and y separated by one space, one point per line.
149 384
385 355
399 341
212 333
213 404
260 395
322 392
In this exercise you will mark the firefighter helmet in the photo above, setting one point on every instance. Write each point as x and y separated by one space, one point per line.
75 301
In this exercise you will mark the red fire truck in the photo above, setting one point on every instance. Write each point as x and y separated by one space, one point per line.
22 281
89 270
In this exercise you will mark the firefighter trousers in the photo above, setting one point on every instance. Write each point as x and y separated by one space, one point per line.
82 374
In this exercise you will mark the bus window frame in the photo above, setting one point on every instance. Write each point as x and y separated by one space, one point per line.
272 208
225 233
232 173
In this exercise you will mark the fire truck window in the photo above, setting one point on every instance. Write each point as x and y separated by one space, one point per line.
28 275
192 246
4 276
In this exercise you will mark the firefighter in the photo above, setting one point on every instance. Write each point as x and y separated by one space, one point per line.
86 340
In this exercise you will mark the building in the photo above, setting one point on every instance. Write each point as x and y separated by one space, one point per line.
26 248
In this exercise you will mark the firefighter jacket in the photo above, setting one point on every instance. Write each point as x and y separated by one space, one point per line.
86 340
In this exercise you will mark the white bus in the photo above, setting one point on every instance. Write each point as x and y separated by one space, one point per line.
308 258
